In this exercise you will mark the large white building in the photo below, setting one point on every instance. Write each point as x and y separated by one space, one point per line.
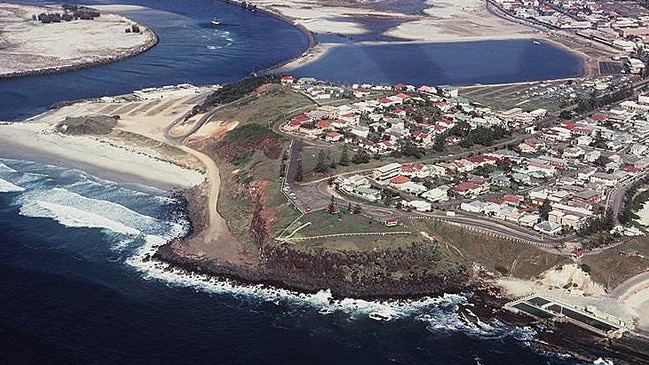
386 172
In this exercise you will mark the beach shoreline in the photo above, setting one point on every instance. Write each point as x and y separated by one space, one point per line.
94 155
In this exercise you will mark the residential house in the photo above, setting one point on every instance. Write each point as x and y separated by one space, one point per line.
412 187
547 227
415 169
386 172
608 179
333 137
585 174
398 180
529 220
475 206
419 205
473 187
437 194
370 194
521 178
587 197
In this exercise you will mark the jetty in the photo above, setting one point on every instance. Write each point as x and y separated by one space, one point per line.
550 309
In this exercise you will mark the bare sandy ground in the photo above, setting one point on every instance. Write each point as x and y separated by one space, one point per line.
27 45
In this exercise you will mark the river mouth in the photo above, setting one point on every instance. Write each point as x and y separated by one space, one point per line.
188 51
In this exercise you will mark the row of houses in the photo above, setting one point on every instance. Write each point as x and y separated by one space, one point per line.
586 18
380 125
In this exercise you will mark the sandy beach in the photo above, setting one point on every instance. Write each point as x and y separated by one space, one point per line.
123 157
31 47
99 156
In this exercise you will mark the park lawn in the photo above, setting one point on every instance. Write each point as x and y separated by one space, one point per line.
323 223
271 107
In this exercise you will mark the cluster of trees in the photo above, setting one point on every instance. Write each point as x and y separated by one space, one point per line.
324 162
597 224
485 136
361 156
236 91
593 102
633 203
47 18
424 110
282 166
408 149
71 12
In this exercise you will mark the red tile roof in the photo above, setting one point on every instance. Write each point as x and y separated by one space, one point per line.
323 124
511 198
399 180
411 167
301 118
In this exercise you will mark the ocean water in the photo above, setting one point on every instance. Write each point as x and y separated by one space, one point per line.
75 283
77 288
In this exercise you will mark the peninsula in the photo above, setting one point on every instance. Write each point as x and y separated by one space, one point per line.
533 191
38 40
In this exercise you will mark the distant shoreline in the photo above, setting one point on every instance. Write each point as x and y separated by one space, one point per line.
61 69
151 42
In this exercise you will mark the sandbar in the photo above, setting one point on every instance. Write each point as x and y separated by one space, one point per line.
30 47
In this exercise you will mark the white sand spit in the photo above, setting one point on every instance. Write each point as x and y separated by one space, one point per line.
29 45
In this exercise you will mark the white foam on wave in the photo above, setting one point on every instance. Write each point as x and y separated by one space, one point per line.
8 187
211 47
74 217
74 210
5 168
456 321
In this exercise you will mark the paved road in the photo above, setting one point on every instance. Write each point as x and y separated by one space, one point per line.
636 282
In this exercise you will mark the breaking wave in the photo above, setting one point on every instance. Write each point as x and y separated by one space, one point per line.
7 187
135 231
439 314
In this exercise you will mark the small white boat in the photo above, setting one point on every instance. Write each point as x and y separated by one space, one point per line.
536 42
215 22
378 316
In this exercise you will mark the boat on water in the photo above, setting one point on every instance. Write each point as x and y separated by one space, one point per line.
536 42
215 22
380 316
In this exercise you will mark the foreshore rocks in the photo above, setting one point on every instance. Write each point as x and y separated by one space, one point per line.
291 269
